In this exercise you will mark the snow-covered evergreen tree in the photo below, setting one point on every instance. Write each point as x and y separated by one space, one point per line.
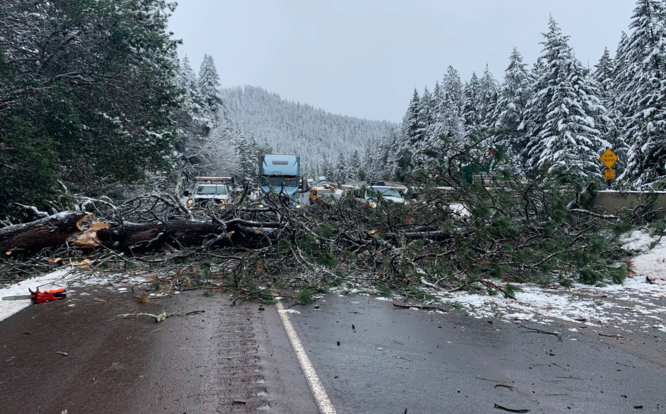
423 118
448 117
354 166
209 84
327 170
604 74
612 131
392 162
564 114
641 82
188 81
341 170
410 121
487 99
471 93
371 163
513 97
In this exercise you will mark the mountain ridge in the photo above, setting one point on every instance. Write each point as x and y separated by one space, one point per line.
297 128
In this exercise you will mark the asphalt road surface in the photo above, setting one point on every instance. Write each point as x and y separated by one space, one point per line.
368 355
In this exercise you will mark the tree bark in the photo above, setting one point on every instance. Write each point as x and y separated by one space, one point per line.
150 236
56 230
183 233
47 232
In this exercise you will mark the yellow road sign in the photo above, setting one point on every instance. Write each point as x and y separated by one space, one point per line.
608 158
609 174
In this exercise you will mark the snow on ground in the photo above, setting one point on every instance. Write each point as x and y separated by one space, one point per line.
68 278
580 304
652 264
54 280
635 302
637 241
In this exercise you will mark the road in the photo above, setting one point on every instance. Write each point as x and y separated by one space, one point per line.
369 356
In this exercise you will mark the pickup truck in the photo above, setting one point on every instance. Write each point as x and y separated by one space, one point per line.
211 189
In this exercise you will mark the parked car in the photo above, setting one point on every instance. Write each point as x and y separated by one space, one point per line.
370 195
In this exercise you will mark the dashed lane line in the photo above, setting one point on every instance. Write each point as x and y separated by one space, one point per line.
316 387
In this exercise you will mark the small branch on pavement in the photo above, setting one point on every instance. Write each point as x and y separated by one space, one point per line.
558 335
512 410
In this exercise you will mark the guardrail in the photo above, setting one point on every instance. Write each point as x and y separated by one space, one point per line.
605 201
611 202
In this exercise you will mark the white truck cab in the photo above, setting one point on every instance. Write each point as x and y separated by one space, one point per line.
211 189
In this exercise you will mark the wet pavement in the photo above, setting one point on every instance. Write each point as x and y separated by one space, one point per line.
392 360
225 359
370 356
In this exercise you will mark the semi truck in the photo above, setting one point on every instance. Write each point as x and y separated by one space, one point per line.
281 173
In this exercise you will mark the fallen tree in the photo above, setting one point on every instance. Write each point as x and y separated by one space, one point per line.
49 231
476 235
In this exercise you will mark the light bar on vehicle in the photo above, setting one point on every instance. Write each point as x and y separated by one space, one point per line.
213 179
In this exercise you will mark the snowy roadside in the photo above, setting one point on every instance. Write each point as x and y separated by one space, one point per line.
53 280
69 278
635 303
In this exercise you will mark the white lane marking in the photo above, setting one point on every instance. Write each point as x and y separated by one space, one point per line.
317 389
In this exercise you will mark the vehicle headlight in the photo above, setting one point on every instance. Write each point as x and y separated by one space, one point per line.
373 205
190 201
261 206
298 206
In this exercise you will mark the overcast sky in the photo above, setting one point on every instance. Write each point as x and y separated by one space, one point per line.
364 57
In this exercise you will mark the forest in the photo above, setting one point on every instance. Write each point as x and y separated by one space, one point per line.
94 99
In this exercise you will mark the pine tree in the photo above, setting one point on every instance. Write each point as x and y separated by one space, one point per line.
354 166
487 99
642 90
246 149
342 169
565 114
188 81
326 170
423 119
410 122
209 84
471 93
604 74
448 119
620 61
394 161
509 113
88 95
371 164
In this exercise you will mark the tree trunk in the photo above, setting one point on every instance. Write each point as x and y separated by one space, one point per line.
183 233
56 230
47 232
150 236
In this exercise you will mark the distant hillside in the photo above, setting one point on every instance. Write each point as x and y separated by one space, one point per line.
294 128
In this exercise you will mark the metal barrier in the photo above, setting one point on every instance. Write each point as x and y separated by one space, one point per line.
611 202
